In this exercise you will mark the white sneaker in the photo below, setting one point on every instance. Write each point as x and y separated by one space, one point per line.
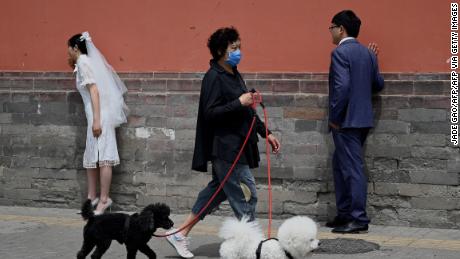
180 243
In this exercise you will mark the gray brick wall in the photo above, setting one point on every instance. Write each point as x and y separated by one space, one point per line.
413 169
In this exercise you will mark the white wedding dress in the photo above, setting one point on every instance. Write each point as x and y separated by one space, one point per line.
103 150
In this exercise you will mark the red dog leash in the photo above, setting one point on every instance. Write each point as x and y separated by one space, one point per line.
257 97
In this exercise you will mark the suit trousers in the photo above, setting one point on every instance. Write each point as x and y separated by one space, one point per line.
349 177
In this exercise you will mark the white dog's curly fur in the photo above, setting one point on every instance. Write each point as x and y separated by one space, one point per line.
296 235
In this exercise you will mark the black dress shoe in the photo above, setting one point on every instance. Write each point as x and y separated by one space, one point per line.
351 228
337 222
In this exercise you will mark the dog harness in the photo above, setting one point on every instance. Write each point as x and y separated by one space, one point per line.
259 249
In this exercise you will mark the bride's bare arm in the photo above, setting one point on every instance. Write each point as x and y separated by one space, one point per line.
97 130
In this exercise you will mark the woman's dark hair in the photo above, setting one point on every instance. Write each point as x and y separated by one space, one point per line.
349 20
219 40
76 40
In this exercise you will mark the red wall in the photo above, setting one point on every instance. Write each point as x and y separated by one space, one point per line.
171 35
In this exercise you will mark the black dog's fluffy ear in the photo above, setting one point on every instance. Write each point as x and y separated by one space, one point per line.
146 221
147 215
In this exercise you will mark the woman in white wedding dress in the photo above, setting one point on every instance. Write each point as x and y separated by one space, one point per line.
102 92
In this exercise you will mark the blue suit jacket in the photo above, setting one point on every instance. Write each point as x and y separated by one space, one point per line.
353 77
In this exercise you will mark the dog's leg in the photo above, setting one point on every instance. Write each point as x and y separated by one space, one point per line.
85 249
101 248
132 251
147 251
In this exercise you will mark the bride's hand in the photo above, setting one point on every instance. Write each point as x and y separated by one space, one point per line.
97 130
71 63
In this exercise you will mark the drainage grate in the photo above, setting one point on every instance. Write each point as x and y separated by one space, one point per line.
345 246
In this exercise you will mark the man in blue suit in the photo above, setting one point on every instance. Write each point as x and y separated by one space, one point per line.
353 77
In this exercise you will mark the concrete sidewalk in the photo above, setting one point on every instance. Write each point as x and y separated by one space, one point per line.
57 233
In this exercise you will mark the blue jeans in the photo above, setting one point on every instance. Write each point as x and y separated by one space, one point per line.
240 190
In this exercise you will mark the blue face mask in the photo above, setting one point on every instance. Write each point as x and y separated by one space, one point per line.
234 58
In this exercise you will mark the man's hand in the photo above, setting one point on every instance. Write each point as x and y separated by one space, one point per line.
246 99
374 48
334 126
274 143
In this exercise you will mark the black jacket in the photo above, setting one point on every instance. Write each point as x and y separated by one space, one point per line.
223 122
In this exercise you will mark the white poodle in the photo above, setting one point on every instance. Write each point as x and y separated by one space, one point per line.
245 240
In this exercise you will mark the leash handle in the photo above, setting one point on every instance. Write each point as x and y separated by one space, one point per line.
257 98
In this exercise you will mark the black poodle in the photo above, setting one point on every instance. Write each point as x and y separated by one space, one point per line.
134 231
